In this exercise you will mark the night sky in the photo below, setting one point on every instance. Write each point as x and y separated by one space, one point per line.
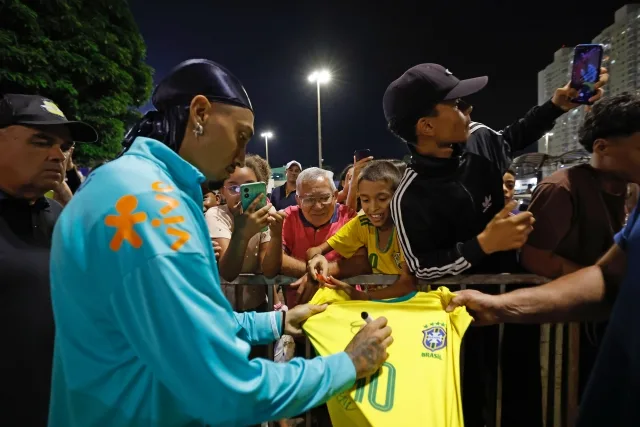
273 47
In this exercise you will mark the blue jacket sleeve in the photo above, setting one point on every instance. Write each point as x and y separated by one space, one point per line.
168 310
259 328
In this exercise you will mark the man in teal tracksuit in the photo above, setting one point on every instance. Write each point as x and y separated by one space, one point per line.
144 335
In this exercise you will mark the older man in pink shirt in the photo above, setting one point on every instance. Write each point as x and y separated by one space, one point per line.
316 218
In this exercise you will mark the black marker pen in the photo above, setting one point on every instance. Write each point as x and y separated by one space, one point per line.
365 316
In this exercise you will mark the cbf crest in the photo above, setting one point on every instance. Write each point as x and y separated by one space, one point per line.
397 259
435 336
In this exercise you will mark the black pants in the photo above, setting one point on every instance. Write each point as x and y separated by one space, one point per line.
591 335
521 384
521 381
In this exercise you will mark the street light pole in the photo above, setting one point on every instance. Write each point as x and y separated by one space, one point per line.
319 127
319 77
546 141
266 136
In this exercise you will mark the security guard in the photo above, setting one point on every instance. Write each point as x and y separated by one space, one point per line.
35 138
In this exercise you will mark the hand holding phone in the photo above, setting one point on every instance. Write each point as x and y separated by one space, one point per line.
585 72
249 192
361 154
361 158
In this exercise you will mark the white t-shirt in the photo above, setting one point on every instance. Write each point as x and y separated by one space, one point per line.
220 222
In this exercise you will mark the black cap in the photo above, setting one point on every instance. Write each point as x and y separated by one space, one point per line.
36 110
421 87
200 77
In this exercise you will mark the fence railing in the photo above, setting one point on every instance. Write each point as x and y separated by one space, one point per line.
559 386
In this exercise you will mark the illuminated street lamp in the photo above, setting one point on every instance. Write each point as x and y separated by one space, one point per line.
319 77
546 141
266 136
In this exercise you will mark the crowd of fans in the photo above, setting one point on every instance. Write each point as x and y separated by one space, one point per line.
449 211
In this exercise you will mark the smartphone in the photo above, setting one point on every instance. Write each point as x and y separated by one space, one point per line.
249 192
585 73
523 207
362 154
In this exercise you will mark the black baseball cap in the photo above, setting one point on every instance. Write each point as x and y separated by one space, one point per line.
421 87
36 110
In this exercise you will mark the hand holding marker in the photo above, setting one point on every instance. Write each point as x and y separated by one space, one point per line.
365 316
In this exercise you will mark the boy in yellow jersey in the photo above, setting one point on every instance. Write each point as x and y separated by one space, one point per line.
374 230
419 383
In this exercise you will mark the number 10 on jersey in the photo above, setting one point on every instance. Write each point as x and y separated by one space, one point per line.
374 395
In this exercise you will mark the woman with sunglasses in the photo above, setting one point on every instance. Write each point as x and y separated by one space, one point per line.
242 243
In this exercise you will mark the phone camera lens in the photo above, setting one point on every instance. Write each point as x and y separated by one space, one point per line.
246 190
246 196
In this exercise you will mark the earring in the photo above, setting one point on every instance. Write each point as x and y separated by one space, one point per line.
198 130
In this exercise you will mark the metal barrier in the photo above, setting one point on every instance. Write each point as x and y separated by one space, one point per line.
558 410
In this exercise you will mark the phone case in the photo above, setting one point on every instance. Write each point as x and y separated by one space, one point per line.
361 154
249 192
585 71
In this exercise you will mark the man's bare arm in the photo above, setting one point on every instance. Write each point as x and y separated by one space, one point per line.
62 194
318 250
292 267
546 263
404 285
587 294
357 265
352 195
271 262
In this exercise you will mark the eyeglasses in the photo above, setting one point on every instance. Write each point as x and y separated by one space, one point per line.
233 189
311 201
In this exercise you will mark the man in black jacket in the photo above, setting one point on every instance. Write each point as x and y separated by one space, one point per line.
450 215
36 139
448 207
447 184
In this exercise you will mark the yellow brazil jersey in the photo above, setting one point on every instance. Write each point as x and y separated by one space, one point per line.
419 384
359 232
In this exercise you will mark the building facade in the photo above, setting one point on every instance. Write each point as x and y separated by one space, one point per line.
621 57
556 75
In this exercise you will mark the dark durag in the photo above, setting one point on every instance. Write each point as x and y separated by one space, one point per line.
172 98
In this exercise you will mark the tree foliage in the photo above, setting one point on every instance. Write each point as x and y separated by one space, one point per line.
86 55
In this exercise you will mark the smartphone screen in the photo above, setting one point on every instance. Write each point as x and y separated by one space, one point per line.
585 73
361 154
